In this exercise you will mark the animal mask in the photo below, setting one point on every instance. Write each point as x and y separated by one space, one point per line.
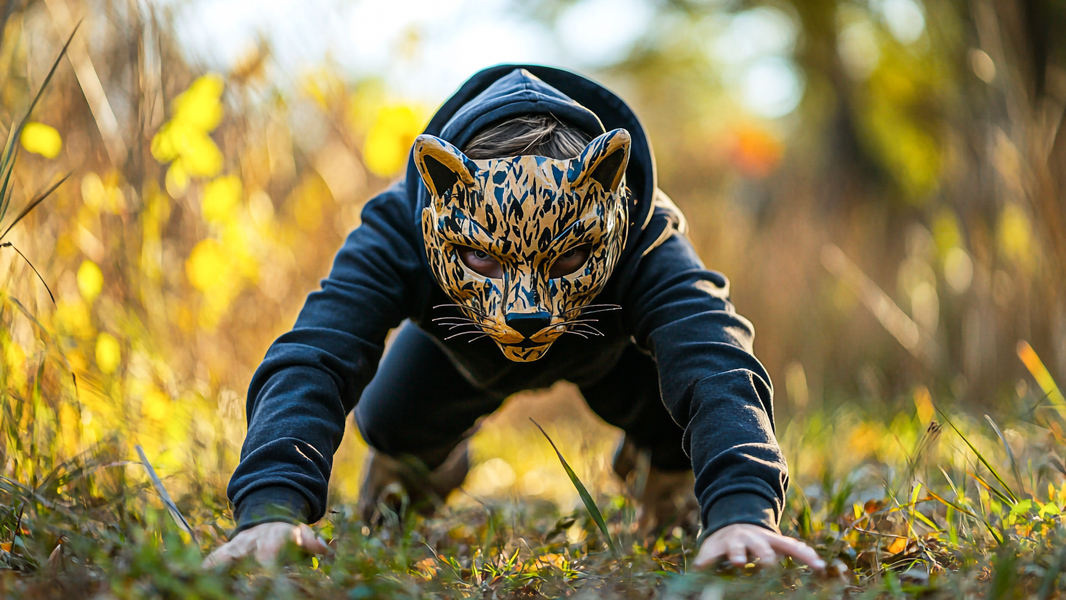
522 245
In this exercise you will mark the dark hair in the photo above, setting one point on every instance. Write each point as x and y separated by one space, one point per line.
538 135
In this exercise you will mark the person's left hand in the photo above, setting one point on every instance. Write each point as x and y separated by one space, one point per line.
739 541
267 542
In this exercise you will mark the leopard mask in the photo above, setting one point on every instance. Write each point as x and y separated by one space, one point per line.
522 245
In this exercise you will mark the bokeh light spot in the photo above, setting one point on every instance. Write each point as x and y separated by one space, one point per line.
207 267
41 139
904 19
108 353
221 198
755 34
90 280
602 32
390 138
772 87
858 48
958 270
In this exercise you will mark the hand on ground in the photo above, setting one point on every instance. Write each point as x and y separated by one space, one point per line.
266 542
740 541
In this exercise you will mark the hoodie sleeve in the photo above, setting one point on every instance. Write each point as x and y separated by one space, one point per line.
710 380
312 376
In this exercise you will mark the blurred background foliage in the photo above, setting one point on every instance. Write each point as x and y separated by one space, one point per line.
884 182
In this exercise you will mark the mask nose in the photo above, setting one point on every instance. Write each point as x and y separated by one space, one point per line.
528 323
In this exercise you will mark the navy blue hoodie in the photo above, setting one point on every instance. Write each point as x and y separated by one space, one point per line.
672 308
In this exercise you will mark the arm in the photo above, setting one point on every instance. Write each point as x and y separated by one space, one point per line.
711 383
312 376
715 388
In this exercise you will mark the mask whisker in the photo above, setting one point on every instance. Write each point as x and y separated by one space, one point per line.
591 330
458 325
592 306
462 333
464 307
576 322
591 309
447 322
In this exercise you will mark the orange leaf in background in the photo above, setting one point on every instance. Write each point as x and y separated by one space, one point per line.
1040 373
427 567
898 545
755 152
5 546
864 440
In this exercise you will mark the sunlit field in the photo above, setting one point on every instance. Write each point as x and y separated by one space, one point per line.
883 182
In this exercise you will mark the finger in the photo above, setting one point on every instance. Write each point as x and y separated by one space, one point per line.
228 552
710 552
738 552
798 551
760 548
221 556
306 539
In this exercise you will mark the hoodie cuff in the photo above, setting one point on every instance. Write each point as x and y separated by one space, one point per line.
271 505
751 509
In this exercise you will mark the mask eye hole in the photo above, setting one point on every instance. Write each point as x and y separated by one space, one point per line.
480 262
570 261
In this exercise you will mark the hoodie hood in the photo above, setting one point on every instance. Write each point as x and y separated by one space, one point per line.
505 91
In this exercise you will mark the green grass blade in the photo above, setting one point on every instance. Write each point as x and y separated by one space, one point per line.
1005 499
1010 453
43 282
7 167
929 523
951 484
586 498
981 458
7 160
947 502
33 204
171 507
47 80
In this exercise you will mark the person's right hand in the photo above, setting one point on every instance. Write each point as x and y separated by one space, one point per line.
265 542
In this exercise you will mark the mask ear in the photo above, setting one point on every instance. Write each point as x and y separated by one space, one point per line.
441 164
604 160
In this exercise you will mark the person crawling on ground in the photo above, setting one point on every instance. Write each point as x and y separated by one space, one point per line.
528 243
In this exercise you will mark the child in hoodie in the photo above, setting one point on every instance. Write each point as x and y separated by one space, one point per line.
528 243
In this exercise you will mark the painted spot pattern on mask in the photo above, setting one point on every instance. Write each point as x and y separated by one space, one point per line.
525 212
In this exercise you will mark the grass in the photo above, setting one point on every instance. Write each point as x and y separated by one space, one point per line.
925 510
8 158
